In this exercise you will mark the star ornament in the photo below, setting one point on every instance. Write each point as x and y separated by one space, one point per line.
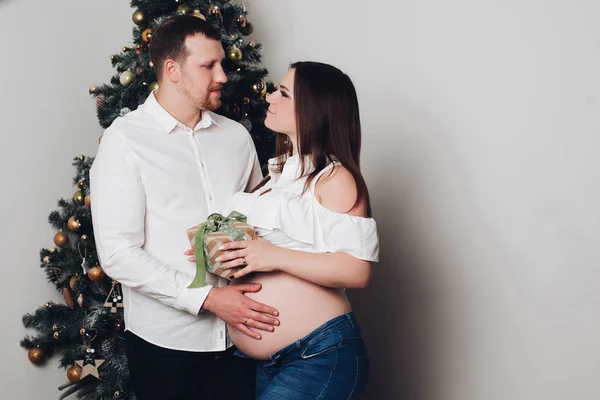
89 366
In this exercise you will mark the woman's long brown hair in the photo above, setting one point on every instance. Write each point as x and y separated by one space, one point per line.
327 123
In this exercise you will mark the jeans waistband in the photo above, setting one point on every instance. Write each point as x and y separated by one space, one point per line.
337 323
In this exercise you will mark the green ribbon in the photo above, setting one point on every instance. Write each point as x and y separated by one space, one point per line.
214 223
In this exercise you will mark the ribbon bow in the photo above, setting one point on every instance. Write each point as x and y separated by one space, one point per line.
214 223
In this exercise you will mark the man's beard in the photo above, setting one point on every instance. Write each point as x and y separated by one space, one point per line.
205 102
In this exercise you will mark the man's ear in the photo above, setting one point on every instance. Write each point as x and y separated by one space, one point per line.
172 70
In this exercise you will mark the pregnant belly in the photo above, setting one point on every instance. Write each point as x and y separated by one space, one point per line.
302 306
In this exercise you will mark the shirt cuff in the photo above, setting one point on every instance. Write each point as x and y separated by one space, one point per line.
192 300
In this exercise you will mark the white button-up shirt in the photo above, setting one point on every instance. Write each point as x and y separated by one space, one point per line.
152 179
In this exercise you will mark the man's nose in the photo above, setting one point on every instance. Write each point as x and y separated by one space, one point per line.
220 76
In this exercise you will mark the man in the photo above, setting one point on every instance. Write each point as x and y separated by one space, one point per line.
160 169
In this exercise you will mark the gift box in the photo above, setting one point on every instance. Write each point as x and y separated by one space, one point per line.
208 237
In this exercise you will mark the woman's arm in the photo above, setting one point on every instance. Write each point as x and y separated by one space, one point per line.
335 270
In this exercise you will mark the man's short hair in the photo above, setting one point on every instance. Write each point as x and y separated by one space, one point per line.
168 40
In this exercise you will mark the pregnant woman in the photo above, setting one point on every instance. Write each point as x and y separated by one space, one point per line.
316 237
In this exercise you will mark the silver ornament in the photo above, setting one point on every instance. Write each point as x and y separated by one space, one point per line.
247 124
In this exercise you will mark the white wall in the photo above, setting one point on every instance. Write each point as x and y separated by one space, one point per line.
51 53
481 125
480 119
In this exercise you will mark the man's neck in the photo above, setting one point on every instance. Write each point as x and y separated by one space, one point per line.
179 108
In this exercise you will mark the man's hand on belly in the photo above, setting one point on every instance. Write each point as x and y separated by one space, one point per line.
232 306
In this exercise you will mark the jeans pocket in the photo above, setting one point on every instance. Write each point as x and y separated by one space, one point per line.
328 342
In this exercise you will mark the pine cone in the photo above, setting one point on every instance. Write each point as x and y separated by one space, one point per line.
54 274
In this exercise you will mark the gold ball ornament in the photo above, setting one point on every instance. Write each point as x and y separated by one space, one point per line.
74 224
126 78
52 250
61 239
248 29
151 64
246 100
112 57
36 355
153 86
96 274
183 9
81 157
78 197
73 282
138 17
88 201
82 331
56 335
234 54
80 183
118 325
198 14
241 20
48 305
83 237
147 35
117 395
251 44
54 327
74 374
214 10
93 89
47 260
260 88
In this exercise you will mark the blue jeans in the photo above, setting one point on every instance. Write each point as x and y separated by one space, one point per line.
329 363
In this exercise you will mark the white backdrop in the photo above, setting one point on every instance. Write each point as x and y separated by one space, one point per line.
51 53
481 123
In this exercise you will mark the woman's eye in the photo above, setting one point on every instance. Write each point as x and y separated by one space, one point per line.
283 93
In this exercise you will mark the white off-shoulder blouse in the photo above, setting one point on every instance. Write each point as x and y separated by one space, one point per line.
291 219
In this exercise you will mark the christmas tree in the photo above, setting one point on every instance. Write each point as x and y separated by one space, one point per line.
87 329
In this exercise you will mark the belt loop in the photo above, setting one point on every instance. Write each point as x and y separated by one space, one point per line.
349 317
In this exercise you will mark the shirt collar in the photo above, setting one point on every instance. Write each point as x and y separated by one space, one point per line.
167 122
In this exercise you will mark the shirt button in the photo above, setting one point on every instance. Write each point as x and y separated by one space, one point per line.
203 165
210 198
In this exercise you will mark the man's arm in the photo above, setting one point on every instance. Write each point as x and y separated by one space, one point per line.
118 214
